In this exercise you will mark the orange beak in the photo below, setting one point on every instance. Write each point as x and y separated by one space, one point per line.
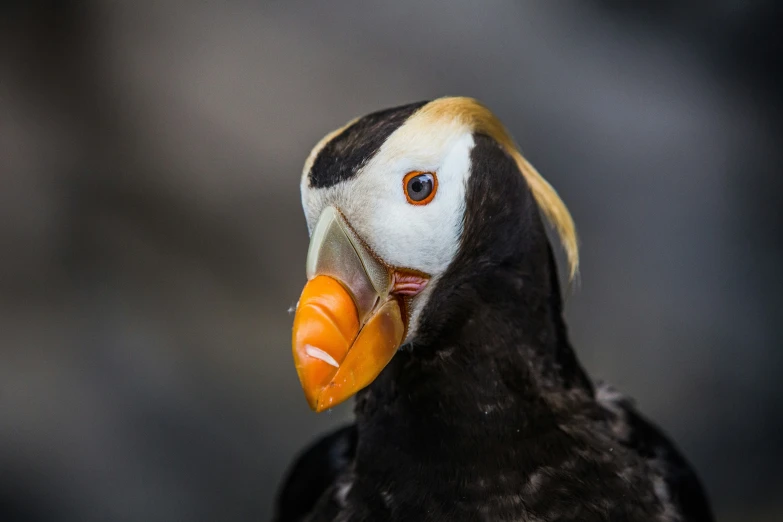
333 357
348 323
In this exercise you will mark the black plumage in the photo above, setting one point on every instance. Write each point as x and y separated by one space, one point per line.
315 471
489 416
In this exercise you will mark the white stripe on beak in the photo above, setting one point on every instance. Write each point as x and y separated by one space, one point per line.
317 353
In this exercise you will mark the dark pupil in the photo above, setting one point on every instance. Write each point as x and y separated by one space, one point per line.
419 187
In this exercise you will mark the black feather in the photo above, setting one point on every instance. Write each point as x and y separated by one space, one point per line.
314 471
636 432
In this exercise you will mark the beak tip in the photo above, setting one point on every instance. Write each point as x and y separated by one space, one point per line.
325 401
320 400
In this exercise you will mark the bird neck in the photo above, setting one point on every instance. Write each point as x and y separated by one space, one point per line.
496 356
491 357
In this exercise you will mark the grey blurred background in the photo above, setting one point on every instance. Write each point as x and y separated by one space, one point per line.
152 239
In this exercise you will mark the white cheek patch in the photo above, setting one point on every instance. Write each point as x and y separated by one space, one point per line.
423 237
314 201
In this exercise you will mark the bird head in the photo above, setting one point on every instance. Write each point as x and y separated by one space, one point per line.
386 199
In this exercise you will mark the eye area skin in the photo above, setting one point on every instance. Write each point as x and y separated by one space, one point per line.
420 187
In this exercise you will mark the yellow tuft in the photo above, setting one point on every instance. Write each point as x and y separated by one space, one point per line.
481 120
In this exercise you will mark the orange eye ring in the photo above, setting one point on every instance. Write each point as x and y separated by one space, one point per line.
420 187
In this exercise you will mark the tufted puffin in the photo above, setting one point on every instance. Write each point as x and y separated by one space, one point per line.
433 297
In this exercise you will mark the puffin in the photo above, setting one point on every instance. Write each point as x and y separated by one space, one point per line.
433 297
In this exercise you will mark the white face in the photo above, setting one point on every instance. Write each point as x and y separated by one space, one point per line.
421 237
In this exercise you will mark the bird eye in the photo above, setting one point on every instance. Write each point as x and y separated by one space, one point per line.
420 187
